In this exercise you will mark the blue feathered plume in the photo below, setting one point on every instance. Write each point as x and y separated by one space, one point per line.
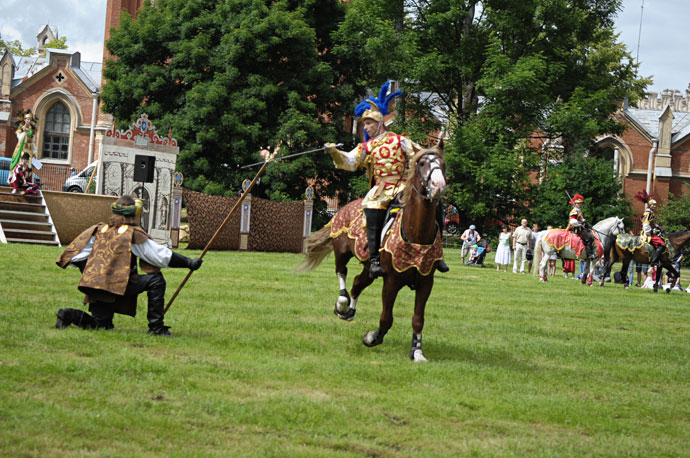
381 103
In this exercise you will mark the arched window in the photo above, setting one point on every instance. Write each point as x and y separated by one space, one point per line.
56 132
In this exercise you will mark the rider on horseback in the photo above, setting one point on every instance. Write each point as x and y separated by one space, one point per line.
386 155
578 225
651 230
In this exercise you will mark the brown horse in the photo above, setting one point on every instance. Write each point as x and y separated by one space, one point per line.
641 256
416 224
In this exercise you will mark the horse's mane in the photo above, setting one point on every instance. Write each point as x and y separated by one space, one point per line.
412 170
604 222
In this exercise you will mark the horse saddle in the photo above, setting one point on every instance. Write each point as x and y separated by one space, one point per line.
629 242
351 220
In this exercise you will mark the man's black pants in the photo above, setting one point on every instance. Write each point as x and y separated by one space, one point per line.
153 284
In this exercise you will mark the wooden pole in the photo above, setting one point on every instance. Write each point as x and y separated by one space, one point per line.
86 190
227 218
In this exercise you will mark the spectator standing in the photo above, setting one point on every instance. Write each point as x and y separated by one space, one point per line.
503 254
532 245
469 237
522 236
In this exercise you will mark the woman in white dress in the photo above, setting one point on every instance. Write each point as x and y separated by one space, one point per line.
503 250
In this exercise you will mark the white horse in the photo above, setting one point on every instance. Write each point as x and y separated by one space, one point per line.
604 230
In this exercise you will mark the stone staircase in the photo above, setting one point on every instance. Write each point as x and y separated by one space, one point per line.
26 219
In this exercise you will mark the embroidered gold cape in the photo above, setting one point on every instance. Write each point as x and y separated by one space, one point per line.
111 265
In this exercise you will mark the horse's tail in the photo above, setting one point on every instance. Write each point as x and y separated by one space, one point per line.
318 247
538 253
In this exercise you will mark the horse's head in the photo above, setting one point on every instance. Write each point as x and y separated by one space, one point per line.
620 226
428 174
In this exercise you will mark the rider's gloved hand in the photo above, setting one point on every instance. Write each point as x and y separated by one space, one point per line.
330 147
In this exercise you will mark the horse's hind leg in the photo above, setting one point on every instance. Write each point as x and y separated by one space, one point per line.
543 263
421 297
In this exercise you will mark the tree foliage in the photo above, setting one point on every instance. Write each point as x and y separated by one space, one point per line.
499 71
674 215
550 204
16 48
58 43
231 77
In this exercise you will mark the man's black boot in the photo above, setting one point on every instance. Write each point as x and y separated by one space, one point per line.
374 225
68 316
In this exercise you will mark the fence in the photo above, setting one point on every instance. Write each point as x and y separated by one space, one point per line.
53 176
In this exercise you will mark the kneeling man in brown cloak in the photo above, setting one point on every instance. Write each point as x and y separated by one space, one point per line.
106 254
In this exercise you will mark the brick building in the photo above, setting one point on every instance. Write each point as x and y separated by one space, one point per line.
653 153
63 93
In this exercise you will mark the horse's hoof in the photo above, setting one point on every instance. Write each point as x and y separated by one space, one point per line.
418 357
342 305
372 339
347 316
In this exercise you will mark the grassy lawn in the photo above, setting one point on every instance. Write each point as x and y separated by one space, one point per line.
259 366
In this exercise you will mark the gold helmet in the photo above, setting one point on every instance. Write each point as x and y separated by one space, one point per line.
372 113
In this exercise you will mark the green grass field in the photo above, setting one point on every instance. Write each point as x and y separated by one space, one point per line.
260 366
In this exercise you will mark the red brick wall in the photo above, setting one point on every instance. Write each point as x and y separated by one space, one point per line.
5 133
30 97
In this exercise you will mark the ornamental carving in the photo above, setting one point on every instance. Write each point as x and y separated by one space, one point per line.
141 131
654 101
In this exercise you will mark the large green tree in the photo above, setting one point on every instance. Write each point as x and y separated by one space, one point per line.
231 77
550 204
674 214
500 71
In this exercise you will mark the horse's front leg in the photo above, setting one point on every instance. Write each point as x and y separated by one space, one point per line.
388 294
420 300
674 275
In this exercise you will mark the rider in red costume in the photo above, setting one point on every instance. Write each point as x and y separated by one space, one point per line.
651 230
578 225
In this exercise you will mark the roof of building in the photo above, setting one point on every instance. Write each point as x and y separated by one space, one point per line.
88 72
649 121
53 29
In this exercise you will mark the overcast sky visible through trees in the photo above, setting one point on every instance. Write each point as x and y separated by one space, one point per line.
662 49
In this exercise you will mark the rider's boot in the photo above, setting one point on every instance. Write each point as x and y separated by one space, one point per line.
656 255
441 265
589 248
374 225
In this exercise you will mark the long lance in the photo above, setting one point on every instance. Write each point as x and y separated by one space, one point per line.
294 155
227 218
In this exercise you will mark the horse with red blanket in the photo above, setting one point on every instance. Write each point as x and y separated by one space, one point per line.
570 246
410 252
